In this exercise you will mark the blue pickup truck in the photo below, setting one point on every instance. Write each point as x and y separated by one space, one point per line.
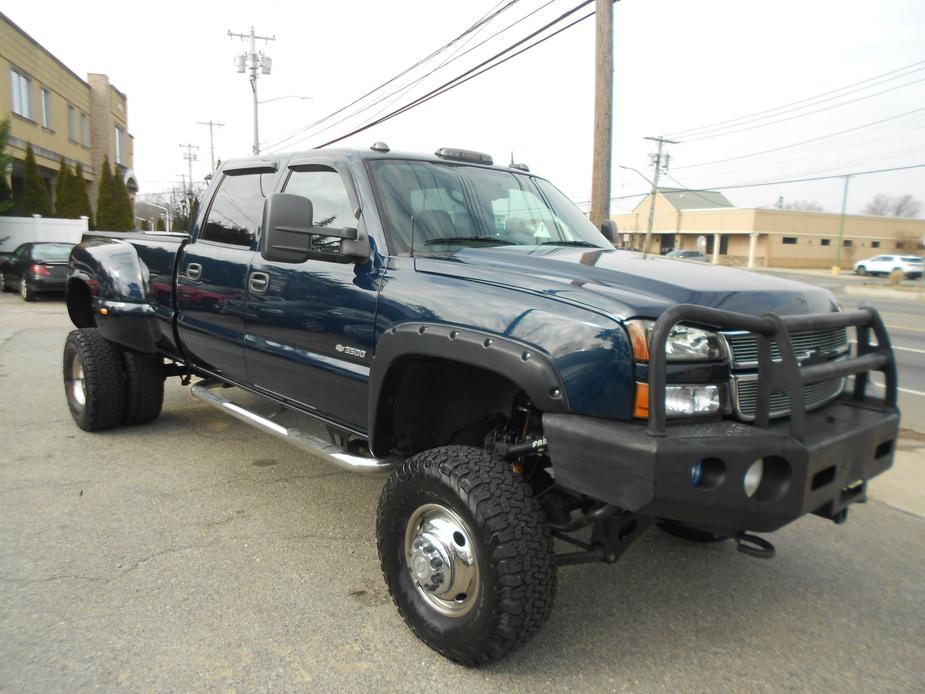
538 397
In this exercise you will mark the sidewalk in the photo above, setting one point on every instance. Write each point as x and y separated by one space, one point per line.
903 486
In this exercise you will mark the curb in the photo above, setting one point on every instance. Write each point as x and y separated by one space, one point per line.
886 293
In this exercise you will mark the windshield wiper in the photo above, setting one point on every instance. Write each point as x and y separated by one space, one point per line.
582 244
467 239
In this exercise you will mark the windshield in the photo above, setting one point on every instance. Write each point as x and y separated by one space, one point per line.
450 206
51 252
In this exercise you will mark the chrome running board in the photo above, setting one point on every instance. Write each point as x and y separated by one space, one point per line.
207 392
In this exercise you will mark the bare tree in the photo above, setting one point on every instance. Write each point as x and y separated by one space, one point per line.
805 205
894 206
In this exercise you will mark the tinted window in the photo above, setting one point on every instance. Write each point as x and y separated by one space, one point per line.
330 203
51 252
237 209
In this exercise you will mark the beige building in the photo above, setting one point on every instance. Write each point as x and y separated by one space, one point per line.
60 114
769 237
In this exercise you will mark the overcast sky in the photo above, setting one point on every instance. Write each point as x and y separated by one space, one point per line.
679 64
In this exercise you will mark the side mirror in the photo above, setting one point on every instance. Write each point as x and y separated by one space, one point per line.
289 235
609 230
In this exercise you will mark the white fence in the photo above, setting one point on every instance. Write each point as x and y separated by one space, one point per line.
18 230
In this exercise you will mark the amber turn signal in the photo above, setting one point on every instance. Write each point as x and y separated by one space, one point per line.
642 401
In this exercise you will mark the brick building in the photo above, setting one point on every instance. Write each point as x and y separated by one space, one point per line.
768 237
60 114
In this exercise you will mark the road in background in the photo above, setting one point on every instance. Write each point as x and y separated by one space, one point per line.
905 321
197 553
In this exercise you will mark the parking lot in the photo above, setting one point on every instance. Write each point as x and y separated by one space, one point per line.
199 554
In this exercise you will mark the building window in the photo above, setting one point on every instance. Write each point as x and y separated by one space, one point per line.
847 243
826 242
22 94
900 245
789 240
84 130
71 123
875 244
120 146
46 108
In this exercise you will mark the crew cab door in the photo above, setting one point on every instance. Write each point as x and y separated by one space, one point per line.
212 272
310 324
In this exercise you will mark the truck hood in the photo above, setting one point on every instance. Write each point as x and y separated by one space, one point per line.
624 284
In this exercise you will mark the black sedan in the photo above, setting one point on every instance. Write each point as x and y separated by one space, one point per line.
34 268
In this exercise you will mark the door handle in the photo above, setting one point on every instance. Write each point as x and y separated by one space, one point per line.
259 281
194 271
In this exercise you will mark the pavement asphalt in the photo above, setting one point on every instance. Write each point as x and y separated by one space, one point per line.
196 554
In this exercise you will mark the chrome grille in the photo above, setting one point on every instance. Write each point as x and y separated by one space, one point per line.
744 345
814 395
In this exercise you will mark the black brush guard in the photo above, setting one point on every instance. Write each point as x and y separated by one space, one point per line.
786 376
815 462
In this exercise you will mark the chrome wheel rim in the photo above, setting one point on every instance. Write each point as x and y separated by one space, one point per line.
23 288
442 559
75 384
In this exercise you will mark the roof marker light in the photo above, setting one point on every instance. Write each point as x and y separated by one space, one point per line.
466 155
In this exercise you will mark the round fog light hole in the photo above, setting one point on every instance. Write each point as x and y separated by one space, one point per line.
767 479
708 473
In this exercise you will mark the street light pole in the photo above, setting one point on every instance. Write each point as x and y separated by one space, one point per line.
212 125
659 163
254 62
836 269
603 113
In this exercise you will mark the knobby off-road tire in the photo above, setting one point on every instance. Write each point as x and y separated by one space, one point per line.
94 382
487 513
144 387
686 532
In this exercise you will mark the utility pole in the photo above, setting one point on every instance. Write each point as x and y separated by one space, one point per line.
659 161
603 112
836 269
190 157
211 125
254 62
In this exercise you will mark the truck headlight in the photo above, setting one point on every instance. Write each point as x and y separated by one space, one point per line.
691 400
684 342
680 400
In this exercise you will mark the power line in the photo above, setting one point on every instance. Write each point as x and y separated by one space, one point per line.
804 115
842 142
485 19
691 131
803 142
475 71
792 180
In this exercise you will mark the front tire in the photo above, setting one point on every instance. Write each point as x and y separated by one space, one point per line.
93 380
2 283
861 270
466 553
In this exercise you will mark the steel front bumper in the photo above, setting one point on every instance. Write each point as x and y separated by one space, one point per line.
619 463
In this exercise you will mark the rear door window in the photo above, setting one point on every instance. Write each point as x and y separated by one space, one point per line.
237 208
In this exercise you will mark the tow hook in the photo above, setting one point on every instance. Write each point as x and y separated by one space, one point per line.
754 546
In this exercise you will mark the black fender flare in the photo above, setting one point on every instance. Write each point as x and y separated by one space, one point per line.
117 283
530 369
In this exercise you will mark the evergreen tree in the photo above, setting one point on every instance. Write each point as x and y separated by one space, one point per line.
81 196
106 214
64 193
6 161
159 225
35 192
146 225
122 203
